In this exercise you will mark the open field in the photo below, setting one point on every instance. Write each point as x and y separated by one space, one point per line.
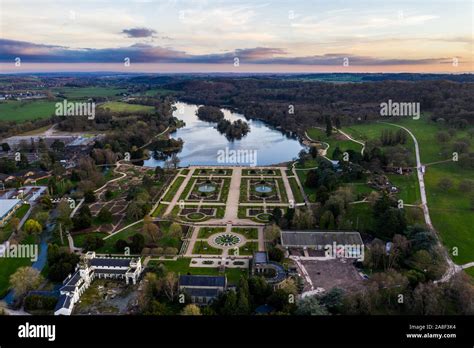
449 209
335 140
88 92
116 106
20 111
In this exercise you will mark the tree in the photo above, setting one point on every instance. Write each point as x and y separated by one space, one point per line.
271 232
24 280
83 219
137 244
276 214
15 223
89 196
170 285
105 215
175 230
32 227
328 126
42 217
310 306
191 309
445 184
276 254
332 300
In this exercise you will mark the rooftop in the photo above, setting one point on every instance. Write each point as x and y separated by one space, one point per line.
319 238
202 280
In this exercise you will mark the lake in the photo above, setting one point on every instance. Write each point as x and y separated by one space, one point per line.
204 145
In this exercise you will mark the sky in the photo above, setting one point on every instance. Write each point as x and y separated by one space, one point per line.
301 36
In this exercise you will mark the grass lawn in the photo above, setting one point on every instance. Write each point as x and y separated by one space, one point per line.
296 190
109 246
181 266
79 239
408 186
449 209
202 247
247 232
206 232
335 140
125 107
173 189
248 248
20 111
88 92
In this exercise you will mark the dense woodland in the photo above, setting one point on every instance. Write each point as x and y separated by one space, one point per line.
297 105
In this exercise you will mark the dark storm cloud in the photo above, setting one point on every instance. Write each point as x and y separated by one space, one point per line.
144 53
139 32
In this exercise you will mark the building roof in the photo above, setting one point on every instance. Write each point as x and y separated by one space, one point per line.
6 205
202 292
64 301
110 262
202 280
260 257
319 238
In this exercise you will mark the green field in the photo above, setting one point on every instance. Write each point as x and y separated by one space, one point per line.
333 141
449 209
88 92
20 111
116 106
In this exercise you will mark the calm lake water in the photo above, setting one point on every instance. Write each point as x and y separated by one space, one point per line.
203 143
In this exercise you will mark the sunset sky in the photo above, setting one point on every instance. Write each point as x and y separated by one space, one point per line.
265 36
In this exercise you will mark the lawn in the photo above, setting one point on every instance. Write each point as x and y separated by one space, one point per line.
20 111
202 247
116 106
296 190
79 239
88 92
247 232
173 189
182 267
248 248
335 140
449 209
109 246
206 232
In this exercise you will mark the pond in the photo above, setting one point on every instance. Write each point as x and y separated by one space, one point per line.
204 145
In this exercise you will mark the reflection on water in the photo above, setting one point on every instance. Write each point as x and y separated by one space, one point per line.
202 141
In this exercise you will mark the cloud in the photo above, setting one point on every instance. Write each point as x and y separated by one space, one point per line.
139 32
145 53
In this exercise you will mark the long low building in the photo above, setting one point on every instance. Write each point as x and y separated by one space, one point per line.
202 289
7 209
329 244
90 268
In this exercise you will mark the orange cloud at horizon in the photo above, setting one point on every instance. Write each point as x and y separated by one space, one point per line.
25 67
